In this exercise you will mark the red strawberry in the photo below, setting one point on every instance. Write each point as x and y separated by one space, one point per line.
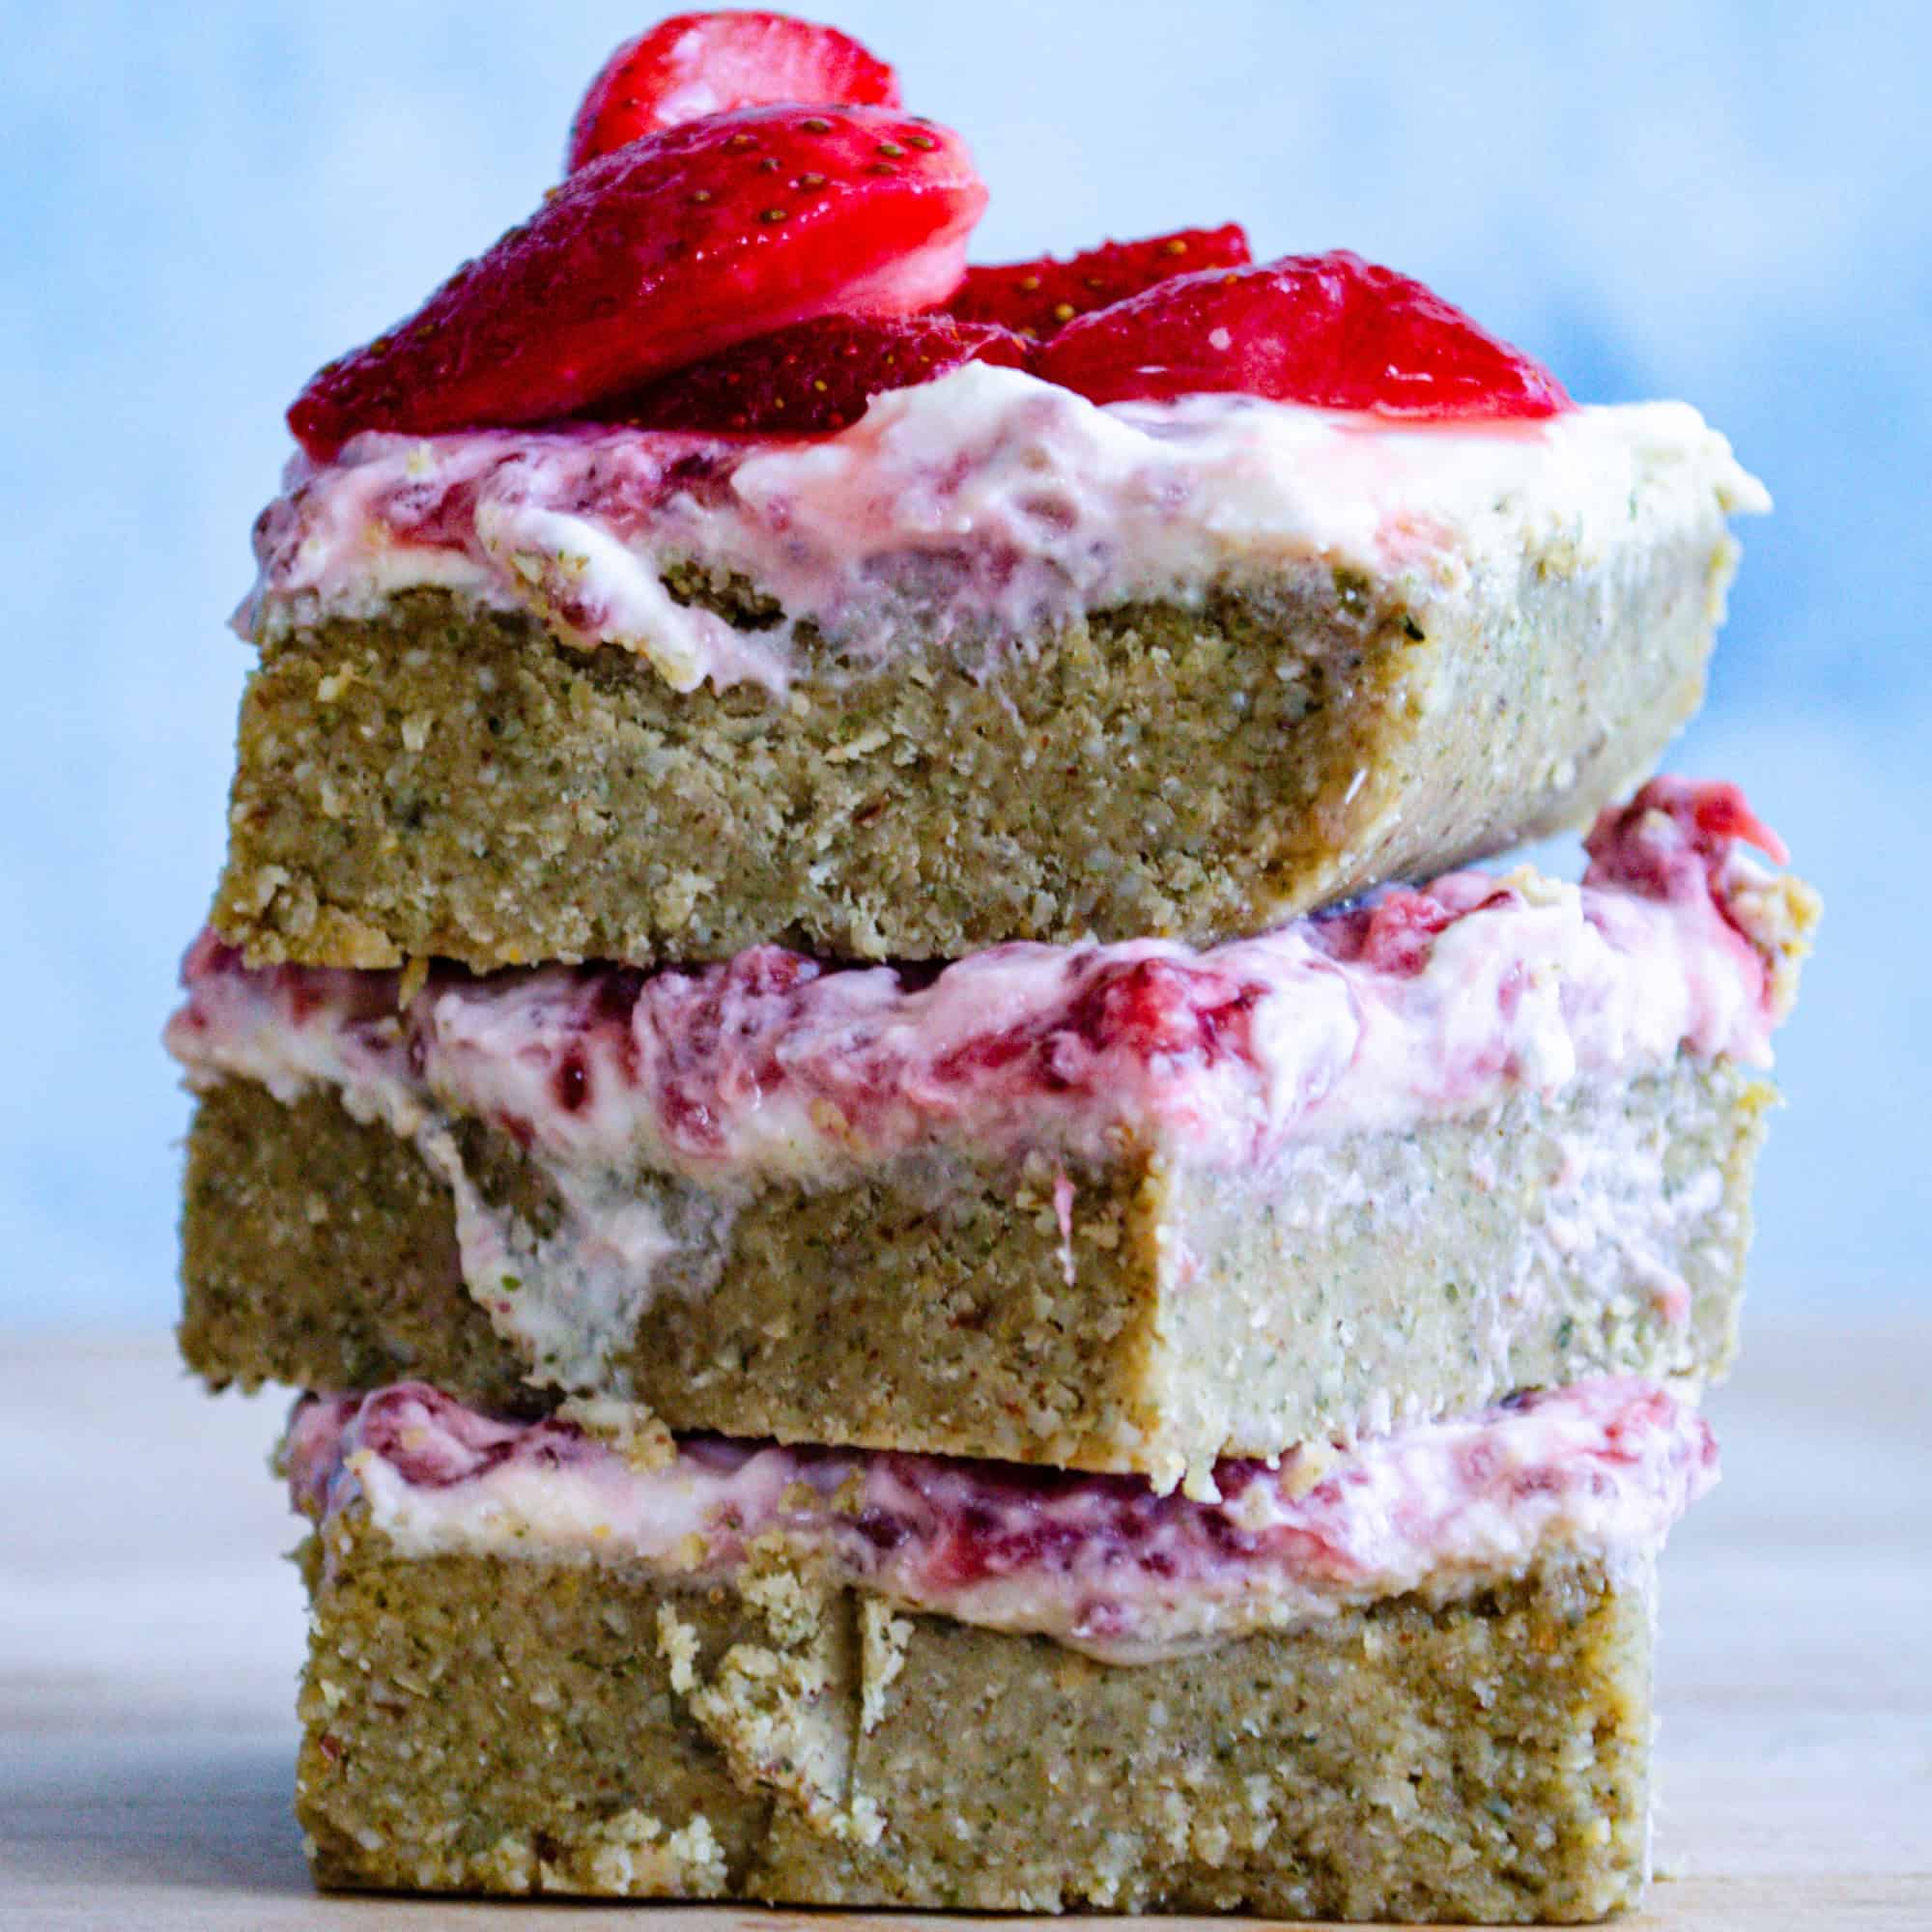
1155 1007
1038 299
814 378
699 64
664 253
1399 928
1333 330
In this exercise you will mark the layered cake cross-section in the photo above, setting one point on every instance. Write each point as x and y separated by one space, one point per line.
1412 1680
1130 1207
939 1248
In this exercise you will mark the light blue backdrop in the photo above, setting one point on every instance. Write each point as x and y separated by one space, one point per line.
1728 203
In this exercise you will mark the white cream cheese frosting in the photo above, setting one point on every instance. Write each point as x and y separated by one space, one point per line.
972 511
1100 1563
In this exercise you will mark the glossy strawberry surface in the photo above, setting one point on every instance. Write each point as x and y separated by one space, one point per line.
1332 330
815 378
698 63
1038 299
659 255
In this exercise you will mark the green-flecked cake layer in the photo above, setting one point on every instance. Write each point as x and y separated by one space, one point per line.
478 1723
1180 1314
440 779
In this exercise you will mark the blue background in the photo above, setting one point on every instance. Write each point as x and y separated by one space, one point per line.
1726 203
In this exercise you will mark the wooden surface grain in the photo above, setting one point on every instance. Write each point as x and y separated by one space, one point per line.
150 1638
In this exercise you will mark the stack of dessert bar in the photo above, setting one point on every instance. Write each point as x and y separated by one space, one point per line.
921 1279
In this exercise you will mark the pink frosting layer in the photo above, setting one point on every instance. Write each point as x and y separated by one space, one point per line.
1416 1003
1100 1562
969 512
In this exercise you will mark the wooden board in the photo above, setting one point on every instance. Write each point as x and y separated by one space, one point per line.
149 1643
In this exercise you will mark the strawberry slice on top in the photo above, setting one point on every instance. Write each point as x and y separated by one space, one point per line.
663 253
1038 299
814 378
1330 330
698 63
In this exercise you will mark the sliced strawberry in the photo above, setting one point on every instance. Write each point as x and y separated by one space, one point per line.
664 253
699 64
1039 299
1333 330
814 378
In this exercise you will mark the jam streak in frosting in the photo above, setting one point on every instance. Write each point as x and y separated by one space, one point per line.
1099 1563
970 512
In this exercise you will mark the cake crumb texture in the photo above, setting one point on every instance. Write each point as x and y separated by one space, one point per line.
437 778
1377 1278
481 1723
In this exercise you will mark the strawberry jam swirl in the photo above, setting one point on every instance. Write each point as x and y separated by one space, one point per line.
1101 1563
969 513
771 1067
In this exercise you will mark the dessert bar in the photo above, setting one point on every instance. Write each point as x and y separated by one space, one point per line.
995 664
1409 1682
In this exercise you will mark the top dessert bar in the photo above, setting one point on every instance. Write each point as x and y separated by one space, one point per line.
1412 1681
994 662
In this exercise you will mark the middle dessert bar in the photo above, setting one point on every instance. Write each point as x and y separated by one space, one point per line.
1125 1207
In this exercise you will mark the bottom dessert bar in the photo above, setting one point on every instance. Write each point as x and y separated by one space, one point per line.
543 1663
